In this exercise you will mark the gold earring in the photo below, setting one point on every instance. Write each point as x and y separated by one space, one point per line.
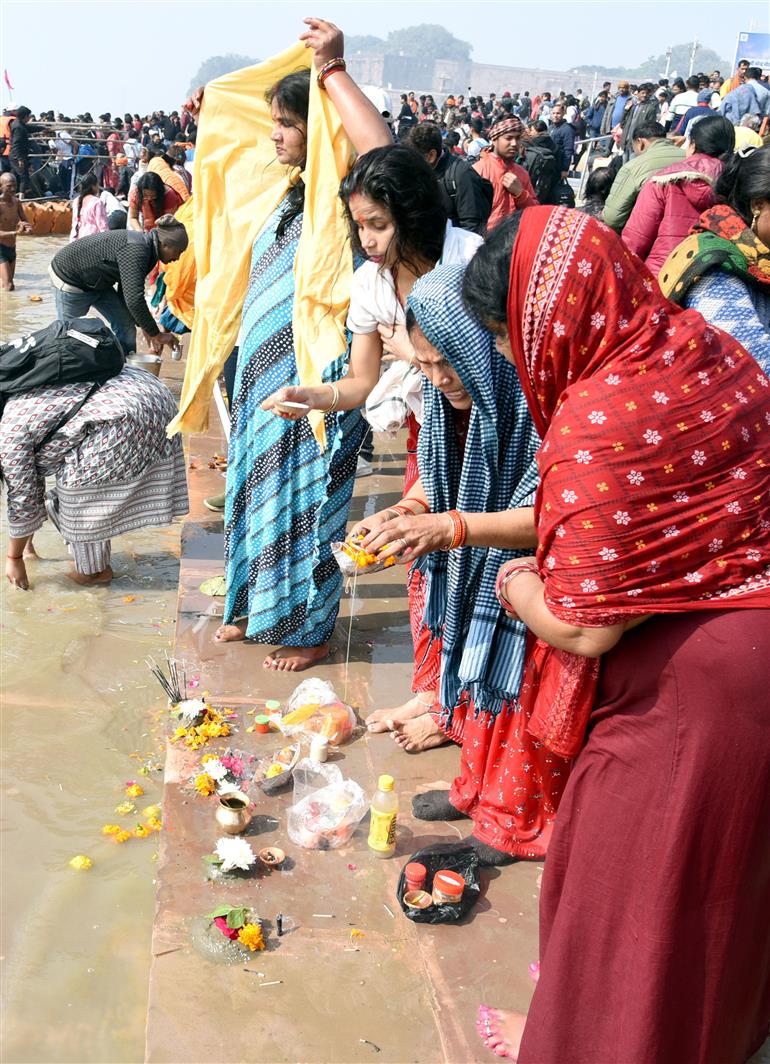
754 215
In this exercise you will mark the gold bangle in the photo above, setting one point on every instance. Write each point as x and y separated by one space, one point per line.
335 399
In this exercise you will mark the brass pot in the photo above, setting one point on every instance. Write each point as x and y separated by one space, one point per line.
233 814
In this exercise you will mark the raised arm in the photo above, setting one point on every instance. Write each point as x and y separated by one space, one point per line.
363 123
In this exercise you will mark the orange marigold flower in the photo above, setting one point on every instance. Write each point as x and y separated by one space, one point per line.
251 935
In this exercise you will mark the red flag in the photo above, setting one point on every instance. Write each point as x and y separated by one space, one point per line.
8 81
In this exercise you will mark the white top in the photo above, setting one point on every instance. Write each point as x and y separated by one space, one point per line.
684 101
373 299
111 203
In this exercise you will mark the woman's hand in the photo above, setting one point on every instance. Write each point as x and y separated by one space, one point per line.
16 573
326 40
194 101
396 345
410 537
371 524
289 395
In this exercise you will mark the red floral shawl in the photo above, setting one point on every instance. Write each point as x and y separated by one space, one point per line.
655 466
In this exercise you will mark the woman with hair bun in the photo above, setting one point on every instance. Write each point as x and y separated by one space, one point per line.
399 224
723 268
673 199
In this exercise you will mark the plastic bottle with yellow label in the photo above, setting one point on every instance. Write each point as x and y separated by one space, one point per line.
382 827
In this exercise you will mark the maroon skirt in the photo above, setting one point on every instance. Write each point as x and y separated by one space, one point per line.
655 906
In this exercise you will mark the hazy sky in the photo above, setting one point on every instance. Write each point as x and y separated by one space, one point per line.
116 56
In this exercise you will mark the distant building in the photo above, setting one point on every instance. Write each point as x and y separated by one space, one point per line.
402 73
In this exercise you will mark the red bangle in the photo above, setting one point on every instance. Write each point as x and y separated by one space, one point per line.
402 511
419 502
329 68
14 557
460 530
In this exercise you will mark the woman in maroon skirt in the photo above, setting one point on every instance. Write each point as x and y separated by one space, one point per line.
649 596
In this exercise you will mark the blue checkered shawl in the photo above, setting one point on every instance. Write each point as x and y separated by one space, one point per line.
483 650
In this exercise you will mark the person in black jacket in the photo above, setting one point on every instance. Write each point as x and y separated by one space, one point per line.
645 110
19 150
563 136
465 197
542 160
85 272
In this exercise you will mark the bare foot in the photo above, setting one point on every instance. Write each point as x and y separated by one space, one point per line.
501 1031
30 552
419 734
295 659
92 579
383 720
231 633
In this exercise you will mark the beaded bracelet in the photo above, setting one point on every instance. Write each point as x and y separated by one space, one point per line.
329 68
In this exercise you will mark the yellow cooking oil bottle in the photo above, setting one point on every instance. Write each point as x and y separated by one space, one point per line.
382 826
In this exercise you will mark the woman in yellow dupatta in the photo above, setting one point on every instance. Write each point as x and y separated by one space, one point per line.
289 482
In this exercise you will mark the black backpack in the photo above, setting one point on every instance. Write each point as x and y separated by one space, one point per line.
65 352
543 169
484 188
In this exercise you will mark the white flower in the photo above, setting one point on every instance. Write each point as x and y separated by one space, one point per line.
583 457
707 416
215 769
733 507
559 328
584 268
598 320
589 585
568 495
762 379
745 434
738 473
729 361
716 545
741 397
567 601
635 477
634 591
653 567
708 336
234 852
189 709
704 378
608 554
693 578
671 331
647 284
622 324
550 562
655 317
613 378
681 496
671 531
698 457
618 269
668 358
651 436
753 555
597 417
560 531
660 397
622 517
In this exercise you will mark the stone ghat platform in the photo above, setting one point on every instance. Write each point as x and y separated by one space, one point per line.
402 991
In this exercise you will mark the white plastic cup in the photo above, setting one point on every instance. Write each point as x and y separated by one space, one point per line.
319 749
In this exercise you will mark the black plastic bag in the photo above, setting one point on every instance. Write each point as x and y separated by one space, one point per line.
465 861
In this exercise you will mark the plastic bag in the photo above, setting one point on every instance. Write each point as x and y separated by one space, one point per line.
310 776
326 819
397 393
314 709
353 560
465 861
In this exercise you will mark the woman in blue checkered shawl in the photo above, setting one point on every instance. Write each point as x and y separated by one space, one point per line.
508 784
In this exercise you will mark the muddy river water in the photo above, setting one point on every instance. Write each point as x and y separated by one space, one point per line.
78 723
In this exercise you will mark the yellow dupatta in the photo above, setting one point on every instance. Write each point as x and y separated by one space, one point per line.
238 184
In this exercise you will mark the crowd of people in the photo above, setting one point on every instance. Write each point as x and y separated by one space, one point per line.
585 521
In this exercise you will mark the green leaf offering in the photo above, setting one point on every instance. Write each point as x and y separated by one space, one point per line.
222 910
236 918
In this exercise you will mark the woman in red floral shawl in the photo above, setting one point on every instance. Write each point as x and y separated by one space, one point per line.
648 597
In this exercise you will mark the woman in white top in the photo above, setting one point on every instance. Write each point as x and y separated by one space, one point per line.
397 220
